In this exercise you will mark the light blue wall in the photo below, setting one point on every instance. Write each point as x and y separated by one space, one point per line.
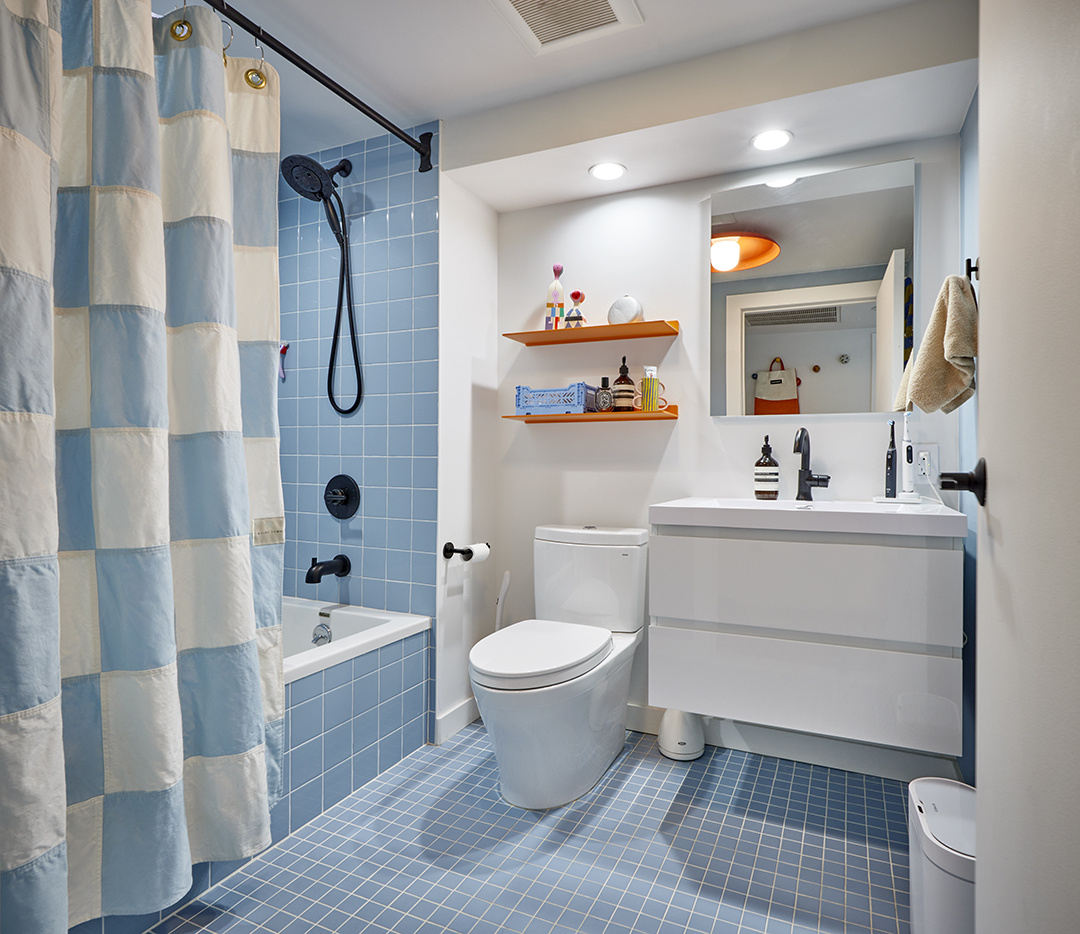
967 426
389 445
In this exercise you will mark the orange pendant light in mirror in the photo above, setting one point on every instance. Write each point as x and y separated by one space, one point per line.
733 250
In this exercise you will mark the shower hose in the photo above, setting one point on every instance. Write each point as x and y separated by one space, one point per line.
336 217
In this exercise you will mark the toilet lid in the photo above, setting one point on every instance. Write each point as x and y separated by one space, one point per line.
536 653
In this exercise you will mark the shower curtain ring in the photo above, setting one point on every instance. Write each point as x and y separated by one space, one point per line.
256 77
181 29
225 48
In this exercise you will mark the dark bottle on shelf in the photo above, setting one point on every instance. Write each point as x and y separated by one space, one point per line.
623 389
605 397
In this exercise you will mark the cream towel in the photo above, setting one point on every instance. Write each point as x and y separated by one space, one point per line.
942 374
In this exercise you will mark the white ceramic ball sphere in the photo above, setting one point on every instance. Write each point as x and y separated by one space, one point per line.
624 310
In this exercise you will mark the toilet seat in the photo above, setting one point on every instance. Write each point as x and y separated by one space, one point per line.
537 653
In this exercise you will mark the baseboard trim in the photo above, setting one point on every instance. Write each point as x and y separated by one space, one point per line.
455 720
643 719
883 761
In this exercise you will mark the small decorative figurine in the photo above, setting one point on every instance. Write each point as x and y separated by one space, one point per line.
574 317
556 302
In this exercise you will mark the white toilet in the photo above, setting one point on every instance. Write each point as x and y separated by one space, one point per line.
553 690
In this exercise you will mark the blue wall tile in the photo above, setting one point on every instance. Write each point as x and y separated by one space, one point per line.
393 223
351 722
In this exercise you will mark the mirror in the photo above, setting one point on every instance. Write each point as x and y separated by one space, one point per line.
833 299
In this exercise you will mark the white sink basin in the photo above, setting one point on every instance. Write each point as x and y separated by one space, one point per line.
927 518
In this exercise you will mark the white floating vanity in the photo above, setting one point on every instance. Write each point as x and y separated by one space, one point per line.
840 619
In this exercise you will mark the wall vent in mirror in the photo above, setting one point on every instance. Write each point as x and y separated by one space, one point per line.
829 314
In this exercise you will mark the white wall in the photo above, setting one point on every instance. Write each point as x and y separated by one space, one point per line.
1028 748
467 423
836 387
653 245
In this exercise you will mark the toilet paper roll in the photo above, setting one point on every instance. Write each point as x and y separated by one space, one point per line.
480 551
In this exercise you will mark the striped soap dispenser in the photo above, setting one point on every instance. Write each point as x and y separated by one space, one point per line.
766 474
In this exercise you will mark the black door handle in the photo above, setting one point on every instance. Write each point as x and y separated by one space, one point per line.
973 481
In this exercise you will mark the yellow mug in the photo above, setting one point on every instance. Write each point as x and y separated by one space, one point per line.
649 398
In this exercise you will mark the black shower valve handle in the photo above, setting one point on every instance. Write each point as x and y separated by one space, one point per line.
342 496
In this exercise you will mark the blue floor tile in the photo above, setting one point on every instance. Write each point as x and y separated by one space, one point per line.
731 843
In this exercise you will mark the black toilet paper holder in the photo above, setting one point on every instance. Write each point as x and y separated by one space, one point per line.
448 551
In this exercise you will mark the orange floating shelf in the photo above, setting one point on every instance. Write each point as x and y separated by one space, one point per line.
669 414
599 332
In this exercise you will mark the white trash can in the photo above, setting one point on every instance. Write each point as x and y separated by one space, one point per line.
941 855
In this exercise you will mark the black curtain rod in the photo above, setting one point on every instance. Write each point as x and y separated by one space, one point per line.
422 145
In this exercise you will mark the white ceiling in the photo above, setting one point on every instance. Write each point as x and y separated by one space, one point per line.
845 232
917 105
421 60
416 61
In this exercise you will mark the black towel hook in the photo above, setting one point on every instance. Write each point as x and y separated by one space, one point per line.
972 268
973 481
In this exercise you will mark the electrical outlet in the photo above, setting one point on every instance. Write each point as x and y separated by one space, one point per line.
927 465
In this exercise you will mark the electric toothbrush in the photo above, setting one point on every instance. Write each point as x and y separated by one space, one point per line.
890 463
907 459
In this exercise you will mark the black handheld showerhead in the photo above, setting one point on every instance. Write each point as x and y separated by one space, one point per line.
309 179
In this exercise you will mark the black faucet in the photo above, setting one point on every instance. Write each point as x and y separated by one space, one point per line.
339 565
807 480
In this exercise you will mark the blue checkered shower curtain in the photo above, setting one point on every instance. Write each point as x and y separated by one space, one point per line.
141 513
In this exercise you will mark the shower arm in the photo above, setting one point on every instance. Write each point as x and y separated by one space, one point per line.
421 145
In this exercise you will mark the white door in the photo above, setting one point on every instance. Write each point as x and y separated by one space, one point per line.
889 358
1028 669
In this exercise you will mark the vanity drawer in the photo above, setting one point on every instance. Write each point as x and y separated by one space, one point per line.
903 699
845 590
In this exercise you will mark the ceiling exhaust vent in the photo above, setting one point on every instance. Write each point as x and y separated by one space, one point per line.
828 314
545 25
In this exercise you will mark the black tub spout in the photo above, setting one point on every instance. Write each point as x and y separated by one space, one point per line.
338 565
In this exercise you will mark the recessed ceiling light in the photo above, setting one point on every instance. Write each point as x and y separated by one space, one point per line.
607 171
782 181
771 139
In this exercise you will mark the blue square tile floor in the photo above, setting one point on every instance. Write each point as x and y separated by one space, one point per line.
729 843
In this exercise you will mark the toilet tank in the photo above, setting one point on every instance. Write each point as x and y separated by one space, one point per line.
593 576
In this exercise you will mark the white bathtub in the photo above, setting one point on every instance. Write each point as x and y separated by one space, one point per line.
355 629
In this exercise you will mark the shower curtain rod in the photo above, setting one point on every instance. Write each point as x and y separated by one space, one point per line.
421 145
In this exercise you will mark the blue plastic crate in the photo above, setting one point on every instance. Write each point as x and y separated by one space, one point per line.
566 400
